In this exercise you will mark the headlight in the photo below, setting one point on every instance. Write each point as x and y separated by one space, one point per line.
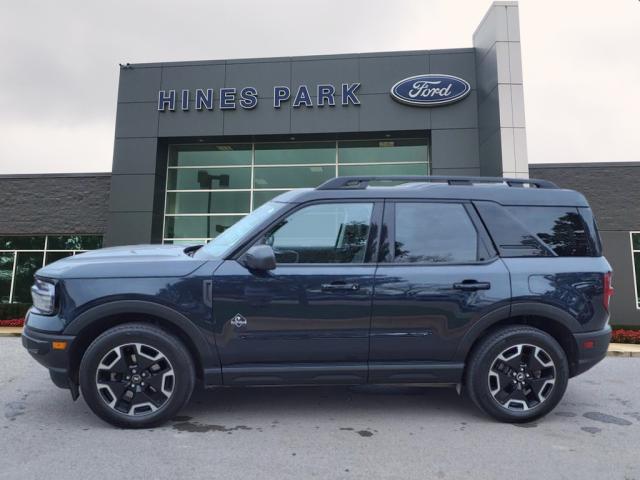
43 294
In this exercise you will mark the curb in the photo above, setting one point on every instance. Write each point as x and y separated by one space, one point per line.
623 350
10 331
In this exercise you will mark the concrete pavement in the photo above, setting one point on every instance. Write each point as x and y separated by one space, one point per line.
323 432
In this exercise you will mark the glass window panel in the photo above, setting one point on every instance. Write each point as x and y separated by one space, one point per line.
288 153
410 169
55 256
197 241
330 233
21 242
26 265
443 234
636 260
208 202
636 240
560 228
261 197
376 151
292 177
210 155
511 236
6 272
74 242
208 178
198 227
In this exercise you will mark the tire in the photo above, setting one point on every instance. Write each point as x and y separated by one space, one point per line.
136 375
517 374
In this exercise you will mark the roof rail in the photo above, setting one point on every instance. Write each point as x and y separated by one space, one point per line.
362 182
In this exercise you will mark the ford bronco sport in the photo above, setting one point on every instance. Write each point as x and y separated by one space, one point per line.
497 286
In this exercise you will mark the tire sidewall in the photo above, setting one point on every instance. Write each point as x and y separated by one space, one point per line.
170 346
484 361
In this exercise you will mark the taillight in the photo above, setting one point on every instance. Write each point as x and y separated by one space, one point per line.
608 290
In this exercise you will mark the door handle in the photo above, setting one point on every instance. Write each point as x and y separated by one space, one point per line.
341 286
471 285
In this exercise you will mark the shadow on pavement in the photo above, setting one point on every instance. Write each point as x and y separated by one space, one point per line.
328 401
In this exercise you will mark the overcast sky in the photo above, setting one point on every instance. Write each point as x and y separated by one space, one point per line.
59 64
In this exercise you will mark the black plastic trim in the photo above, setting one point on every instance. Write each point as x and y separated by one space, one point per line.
205 348
587 358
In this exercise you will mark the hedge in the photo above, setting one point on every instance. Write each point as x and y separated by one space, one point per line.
12 322
10 311
621 335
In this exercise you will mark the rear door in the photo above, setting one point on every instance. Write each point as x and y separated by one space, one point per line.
438 274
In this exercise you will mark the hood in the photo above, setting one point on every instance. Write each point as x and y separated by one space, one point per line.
128 261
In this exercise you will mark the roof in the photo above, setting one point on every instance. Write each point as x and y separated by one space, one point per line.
54 175
59 203
610 187
538 166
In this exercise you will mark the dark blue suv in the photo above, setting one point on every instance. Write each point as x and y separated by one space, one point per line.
496 286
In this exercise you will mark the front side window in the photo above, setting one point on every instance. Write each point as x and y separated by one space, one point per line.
323 233
434 233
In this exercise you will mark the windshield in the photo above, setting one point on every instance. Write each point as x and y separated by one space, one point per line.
230 238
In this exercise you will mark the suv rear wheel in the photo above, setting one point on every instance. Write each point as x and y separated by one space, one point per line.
136 376
517 374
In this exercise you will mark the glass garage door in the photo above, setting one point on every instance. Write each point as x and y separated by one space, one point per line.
210 187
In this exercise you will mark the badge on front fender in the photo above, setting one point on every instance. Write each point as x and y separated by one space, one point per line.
238 321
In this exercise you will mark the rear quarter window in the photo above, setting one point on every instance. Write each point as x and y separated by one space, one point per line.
534 231
560 228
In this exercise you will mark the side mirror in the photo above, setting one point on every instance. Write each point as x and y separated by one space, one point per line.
259 257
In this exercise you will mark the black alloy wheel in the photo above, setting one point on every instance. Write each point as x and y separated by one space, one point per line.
517 374
136 375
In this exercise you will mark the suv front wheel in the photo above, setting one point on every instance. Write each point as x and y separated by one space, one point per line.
517 374
136 376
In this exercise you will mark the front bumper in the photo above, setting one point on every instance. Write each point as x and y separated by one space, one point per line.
592 348
40 345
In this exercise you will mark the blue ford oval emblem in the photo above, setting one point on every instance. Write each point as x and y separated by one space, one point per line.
430 90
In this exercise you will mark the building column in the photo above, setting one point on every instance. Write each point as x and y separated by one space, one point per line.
503 143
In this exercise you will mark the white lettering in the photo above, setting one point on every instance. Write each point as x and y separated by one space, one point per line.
426 89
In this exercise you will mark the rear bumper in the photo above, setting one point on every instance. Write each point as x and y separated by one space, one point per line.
39 346
592 348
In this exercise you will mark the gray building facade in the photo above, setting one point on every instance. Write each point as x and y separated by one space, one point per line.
163 106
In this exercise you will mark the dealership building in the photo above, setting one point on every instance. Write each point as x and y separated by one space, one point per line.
198 145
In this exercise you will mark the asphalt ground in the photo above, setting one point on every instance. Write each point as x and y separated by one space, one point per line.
321 432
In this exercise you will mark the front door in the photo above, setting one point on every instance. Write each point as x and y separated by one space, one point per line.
439 275
308 320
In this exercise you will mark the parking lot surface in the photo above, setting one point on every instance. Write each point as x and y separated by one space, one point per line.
322 432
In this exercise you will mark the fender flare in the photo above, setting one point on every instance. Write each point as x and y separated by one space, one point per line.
202 340
516 309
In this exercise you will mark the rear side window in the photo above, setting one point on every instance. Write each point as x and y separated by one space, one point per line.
511 237
560 228
434 233
526 231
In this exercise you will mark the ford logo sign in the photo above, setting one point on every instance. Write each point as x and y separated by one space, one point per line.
430 90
